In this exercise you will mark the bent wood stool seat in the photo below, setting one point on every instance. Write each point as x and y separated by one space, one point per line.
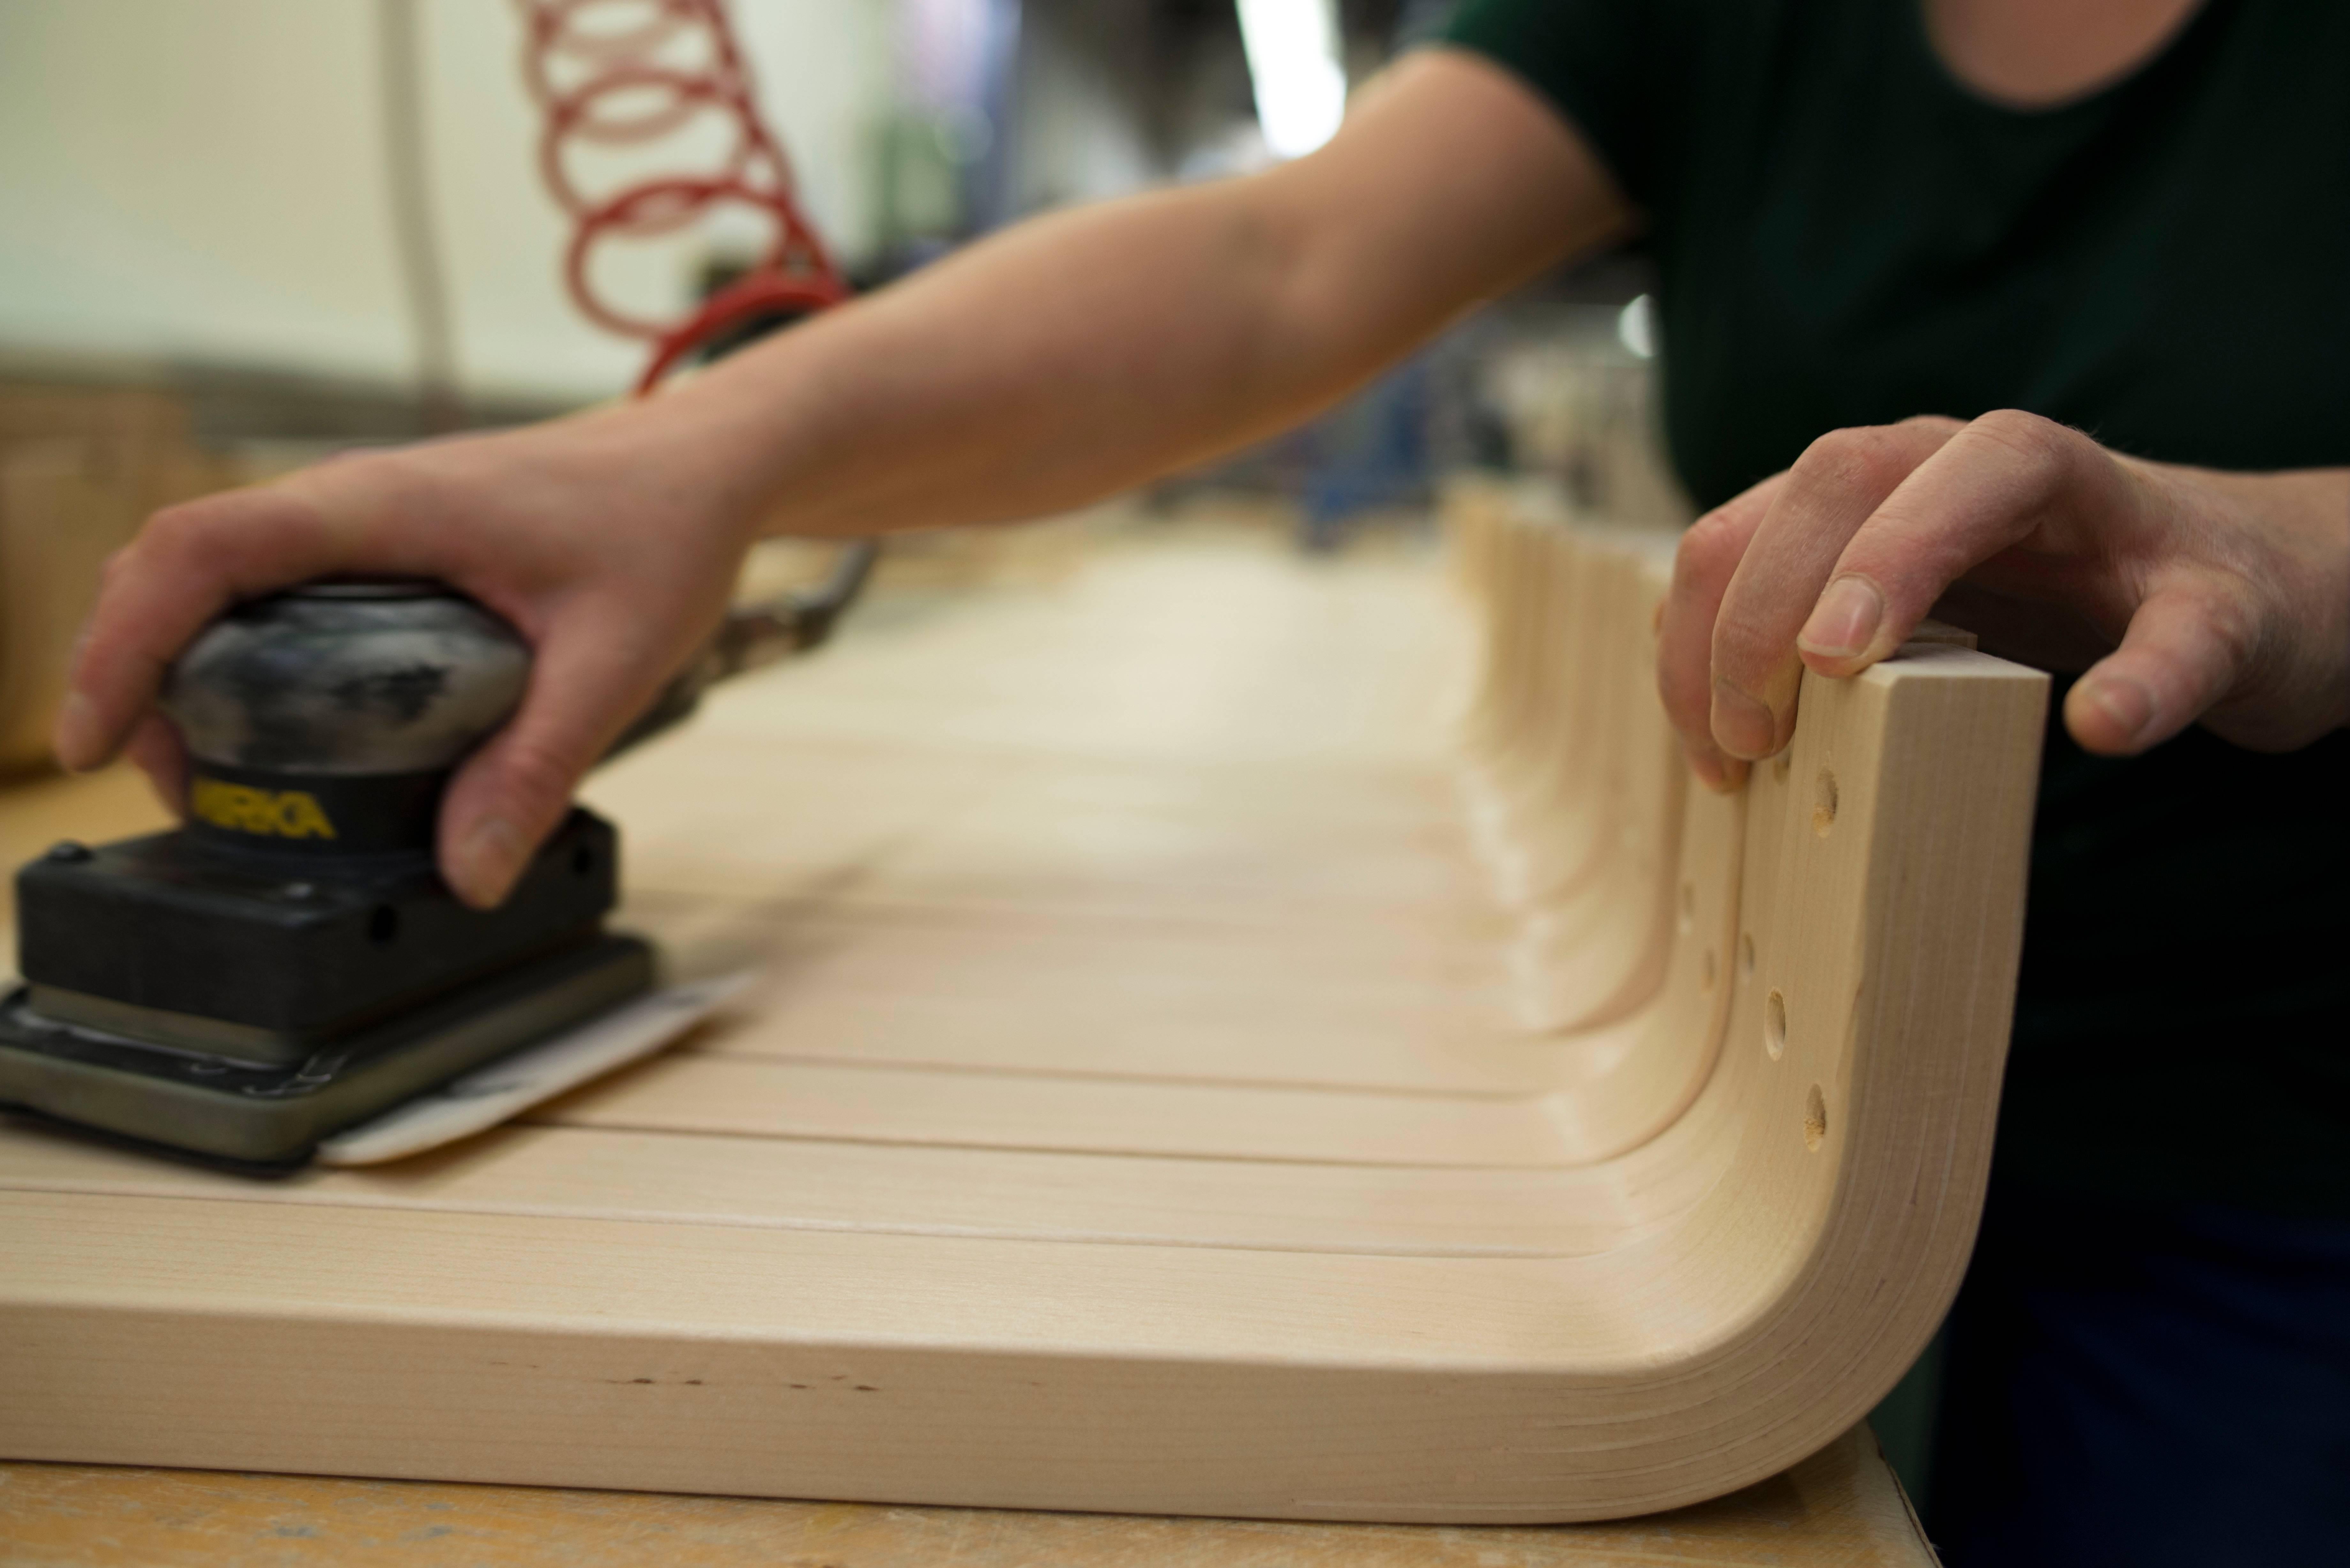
1150 1098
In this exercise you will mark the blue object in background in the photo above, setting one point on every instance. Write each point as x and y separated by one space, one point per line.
1371 451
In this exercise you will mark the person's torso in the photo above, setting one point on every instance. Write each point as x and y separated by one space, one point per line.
1846 236
1849 236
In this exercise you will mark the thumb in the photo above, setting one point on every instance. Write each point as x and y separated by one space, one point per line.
515 791
2185 649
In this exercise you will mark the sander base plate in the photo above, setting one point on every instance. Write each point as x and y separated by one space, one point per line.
273 1117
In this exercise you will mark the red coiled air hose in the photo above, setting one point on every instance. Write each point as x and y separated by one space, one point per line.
623 83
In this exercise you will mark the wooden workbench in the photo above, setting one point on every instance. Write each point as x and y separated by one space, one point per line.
1841 1509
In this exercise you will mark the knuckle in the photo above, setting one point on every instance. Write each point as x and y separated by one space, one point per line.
1824 455
2040 442
172 529
2018 424
119 563
1873 458
1709 548
189 538
1933 424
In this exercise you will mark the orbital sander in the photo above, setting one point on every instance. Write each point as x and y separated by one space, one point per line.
288 965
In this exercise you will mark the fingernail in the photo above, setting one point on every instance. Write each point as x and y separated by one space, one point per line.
2127 705
486 863
1741 725
1845 621
80 745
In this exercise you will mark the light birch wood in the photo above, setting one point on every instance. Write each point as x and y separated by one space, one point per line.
1130 1113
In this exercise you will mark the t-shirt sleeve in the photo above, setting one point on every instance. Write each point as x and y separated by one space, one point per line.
1599 61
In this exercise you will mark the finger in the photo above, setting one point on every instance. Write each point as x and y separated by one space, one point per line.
586 683
1754 668
2186 647
1987 488
1709 553
156 748
187 565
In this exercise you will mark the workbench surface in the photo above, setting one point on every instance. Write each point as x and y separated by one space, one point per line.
1841 1509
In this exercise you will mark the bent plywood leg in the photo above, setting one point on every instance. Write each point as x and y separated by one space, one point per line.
1577 819
925 1243
1592 946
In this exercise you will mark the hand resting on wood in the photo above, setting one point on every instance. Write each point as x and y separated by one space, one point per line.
614 563
2186 594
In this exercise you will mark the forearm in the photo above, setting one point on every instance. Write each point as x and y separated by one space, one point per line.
1060 362
1080 353
1056 362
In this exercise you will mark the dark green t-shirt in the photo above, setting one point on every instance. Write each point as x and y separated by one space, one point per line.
1847 235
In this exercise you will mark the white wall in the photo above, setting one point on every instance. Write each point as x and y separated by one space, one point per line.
1077 135
203 179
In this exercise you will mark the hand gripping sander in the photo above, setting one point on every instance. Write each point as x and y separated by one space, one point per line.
288 965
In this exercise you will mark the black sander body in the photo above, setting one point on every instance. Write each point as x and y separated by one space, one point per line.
289 961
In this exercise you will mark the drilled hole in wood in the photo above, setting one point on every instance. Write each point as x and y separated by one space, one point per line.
1774 1024
1815 1120
1689 905
1707 983
1779 767
1823 804
1746 954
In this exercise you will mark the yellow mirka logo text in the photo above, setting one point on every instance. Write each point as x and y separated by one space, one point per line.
274 813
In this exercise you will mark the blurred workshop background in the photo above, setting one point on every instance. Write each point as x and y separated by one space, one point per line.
244 234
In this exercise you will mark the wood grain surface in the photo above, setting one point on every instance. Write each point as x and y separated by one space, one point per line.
1840 1509
1151 1099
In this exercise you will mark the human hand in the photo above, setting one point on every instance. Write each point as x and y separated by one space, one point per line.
600 539
2185 594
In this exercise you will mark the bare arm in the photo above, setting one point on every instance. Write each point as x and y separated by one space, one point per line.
1058 362
1074 356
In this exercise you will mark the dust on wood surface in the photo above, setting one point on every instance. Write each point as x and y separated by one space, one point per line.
1840 1509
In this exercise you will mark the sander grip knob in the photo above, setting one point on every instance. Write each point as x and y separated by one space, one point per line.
328 718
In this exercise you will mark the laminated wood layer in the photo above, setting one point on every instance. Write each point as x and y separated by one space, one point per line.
1153 1098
